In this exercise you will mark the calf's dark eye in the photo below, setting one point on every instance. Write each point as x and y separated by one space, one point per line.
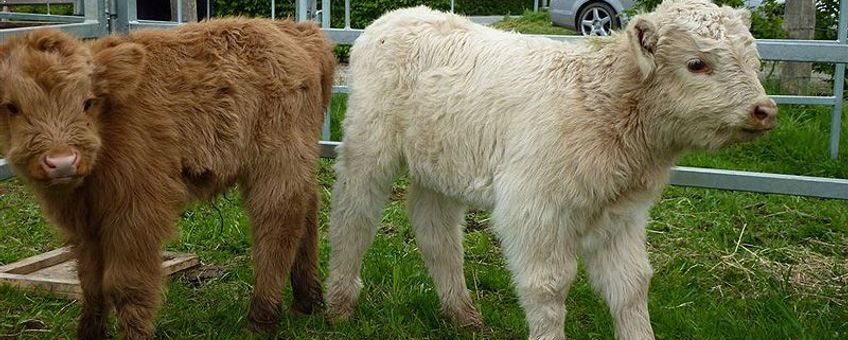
697 66
12 108
87 105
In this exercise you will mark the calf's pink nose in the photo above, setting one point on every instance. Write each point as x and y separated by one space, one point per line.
765 111
60 164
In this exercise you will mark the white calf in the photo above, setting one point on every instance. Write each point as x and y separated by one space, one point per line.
567 144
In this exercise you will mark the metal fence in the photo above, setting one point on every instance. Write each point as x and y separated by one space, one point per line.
103 16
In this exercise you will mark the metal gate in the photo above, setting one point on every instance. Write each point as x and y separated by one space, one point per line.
103 16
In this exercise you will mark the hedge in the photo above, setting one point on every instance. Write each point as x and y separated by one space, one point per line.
363 12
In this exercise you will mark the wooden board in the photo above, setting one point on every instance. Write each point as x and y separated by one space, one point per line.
55 271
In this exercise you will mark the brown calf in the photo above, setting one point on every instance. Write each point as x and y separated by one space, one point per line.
116 136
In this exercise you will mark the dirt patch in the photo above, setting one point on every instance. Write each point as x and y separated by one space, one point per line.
199 275
476 220
398 194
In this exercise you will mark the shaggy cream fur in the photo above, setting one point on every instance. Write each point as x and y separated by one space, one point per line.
567 144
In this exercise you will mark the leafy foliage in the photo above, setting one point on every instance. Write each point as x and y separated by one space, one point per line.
827 23
253 8
766 20
363 13
57 9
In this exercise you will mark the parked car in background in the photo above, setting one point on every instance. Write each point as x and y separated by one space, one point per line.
590 17
601 17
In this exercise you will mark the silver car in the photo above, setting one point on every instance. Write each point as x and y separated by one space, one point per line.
590 17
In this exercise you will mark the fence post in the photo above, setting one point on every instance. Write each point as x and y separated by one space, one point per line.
839 83
302 8
121 13
325 14
347 14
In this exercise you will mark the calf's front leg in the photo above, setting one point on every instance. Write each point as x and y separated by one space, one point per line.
618 268
538 246
132 274
95 310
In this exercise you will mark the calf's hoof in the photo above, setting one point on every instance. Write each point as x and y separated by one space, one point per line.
88 330
309 303
339 313
263 317
340 307
467 317
306 308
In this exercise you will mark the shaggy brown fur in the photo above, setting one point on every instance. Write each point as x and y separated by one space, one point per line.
116 136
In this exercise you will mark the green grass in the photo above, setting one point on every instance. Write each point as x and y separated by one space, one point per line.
532 22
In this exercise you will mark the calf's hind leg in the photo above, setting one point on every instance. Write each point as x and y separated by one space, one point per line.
366 164
437 221
276 200
306 287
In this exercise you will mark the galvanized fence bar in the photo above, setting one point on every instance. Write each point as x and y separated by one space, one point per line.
42 17
748 181
302 10
838 82
127 14
5 170
92 24
325 14
760 182
804 100
347 14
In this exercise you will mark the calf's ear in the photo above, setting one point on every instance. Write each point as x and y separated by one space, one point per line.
118 68
53 40
643 37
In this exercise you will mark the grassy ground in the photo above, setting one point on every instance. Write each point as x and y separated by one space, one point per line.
532 22
728 265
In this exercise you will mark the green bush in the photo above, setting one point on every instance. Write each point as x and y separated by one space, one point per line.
827 20
56 9
253 8
766 21
363 12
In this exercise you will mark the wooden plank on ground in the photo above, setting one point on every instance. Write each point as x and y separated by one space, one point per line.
55 271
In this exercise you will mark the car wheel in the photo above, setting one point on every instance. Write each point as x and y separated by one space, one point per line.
597 18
